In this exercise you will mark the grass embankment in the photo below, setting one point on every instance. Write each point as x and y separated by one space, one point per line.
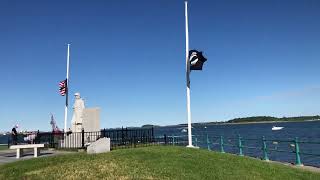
151 163
3 147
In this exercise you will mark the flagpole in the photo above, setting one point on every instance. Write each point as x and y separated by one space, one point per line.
67 91
188 77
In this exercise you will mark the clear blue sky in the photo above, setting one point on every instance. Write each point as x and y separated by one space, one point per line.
128 57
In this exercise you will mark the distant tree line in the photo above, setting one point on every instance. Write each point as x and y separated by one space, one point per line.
270 118
244 120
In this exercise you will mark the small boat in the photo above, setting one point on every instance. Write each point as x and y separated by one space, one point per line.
184 129
275 128
292 145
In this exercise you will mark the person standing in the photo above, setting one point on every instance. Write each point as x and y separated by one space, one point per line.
14 135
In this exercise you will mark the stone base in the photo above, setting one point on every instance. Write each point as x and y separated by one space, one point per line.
74 140
100 146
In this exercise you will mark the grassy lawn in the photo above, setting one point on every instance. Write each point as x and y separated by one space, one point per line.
158 162
3 147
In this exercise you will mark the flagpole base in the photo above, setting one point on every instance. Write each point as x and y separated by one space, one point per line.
192 146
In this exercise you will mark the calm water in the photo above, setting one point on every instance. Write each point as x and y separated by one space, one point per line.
305 131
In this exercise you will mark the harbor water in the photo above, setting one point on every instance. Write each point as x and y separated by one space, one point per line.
280 144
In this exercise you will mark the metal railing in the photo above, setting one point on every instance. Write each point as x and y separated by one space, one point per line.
291 150
120 138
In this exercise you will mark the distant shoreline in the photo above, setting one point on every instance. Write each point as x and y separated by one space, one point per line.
261 122
236 123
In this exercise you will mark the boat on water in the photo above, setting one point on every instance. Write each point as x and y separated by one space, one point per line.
184 130
276 128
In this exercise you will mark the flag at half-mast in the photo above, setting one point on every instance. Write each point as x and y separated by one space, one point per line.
63 88
196 60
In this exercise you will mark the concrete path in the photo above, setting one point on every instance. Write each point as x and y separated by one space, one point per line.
7 156
308 168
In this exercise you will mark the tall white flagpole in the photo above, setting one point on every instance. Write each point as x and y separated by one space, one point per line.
67 91
188 77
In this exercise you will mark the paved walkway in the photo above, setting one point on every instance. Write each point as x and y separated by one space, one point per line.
308 168
7 156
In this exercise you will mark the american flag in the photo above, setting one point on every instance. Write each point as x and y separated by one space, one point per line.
63 87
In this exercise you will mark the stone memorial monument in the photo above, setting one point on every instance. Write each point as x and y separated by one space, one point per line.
78 109
84 118
91 119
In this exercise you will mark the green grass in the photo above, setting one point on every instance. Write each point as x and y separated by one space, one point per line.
3 147
158 162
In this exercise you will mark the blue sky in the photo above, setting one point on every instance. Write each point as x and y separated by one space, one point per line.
128 58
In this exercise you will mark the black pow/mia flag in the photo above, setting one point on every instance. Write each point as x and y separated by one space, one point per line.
196 60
